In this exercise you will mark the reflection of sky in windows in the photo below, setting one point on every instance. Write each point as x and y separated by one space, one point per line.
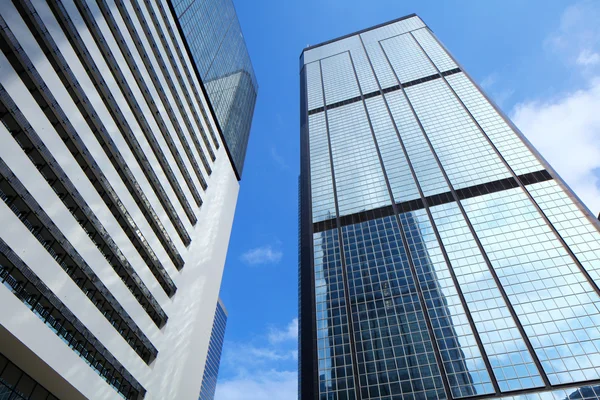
396 331
556 305
511 362
336 377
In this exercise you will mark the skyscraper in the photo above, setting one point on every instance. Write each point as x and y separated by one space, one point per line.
213 360
440 256
118 194
216 42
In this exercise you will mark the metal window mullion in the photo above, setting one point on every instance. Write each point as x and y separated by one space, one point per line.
561 182
357 387
436 350
306 242
476 239
549 223
437 235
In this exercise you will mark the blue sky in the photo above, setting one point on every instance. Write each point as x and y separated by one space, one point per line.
540 61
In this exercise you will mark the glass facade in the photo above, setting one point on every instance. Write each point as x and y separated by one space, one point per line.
214 37
213 359
440 256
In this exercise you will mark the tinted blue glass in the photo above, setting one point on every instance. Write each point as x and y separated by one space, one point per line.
213 33
213 359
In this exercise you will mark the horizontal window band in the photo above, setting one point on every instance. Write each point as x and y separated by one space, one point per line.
21 382
152 104
141 50
386 90
131 99
17 277
48 46
56 178
29 140
72 35
41 226
435 200
151 39
187 71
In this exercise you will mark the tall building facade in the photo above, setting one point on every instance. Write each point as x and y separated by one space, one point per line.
440 256
217 45
215 347
118 196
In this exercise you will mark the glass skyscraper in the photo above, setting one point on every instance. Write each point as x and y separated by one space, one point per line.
216 42
440 256
213 359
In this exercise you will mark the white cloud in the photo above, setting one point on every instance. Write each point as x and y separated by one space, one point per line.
279 159
281 335
489 81
577 35
566 130
264 368
262 255
587 58
261 385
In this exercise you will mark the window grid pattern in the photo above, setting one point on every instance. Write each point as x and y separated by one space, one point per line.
213 359
406 58
507 352
438 55
582 393
383 71
364 73
555 303
463 362
338 78
581 236
555 306
314 87
512 148
397 169
17 385
464 153
358 176
336 374
186 69
216 42
390 30
426 168
394 350
323 202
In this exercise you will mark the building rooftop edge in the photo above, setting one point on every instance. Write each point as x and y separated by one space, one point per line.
223 306
357 32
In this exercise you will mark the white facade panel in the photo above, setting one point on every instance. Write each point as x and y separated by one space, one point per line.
182 343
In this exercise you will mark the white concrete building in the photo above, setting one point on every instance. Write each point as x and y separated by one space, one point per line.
118 200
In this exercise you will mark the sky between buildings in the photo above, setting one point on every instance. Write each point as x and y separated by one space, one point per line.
540 62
